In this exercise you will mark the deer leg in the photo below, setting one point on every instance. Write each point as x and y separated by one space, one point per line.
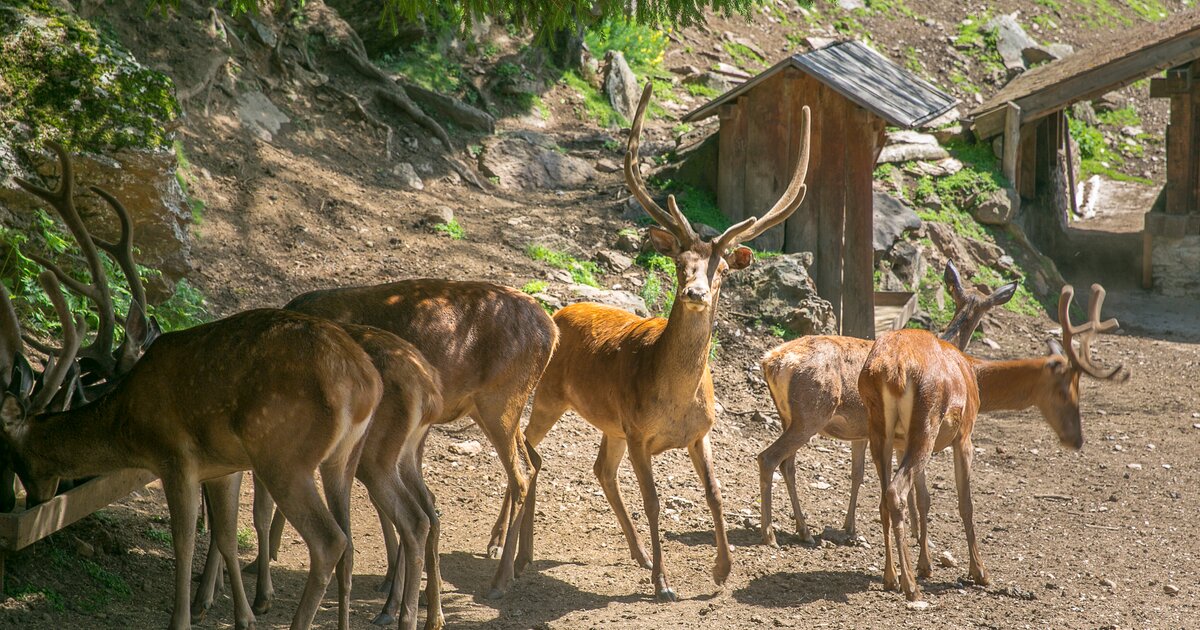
182 490
545 413
500 420
299 501
277 524
607 460
385 487
223 505
337 476
858 456
881 453
964 452
701 452
210 576
911 503
924 564
782 452
525 542
642 468
414 483
391 543
264 507
896 491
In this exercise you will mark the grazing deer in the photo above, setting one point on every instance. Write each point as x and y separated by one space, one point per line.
923 394
389 467
279 392
814 384
645 382
488 345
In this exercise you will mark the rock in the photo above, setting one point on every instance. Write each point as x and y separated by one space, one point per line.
82 548
705 231
786 295
469 447
694 164
632 210
1107 583
850 5
605 165
1011 40
629 241
1037 55
261 32
731 71
905 136
908 152
918 606
950 116
892 218
817 43
952 133
616 261
1110 102
258 114
1083 111
621 299
947 560
953 247
712 80
1171 589
686 70
529 160
407 176
437 215
1133 466
820 485
620 84
994 207
1060 50
908 263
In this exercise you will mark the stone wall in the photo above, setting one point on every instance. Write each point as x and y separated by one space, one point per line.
1176 265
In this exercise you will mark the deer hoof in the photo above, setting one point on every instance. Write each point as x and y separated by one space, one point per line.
667 595
495 593
721 573
261 606
435 623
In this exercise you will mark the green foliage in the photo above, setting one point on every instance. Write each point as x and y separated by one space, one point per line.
1096 157
980 174
714 347
430 69
534 286
183 176
702 91
778 330
980 43
27 593
68 82
1023 301
453 229
596 107
931 285
643 46
697 205
962 82
912 61
1100 14
245 538
658 292
582 271
742 55
160 536
108 580
1124 117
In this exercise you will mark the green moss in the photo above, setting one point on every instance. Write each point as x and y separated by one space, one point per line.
596 107
742 55
1123 117
534 286
697 205
702 91
67 82
582 271
658 291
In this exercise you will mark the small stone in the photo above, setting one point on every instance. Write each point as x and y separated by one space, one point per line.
1171 589
438 215
1133 466
1107 583
407 176
820 485
469 447
629 241
606 165
947 560
918 605
614 260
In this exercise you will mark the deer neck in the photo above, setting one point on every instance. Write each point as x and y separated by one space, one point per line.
681 353
76 443
1008 385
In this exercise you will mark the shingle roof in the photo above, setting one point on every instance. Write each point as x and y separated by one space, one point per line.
862 76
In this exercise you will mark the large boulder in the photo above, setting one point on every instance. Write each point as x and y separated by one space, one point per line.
526 160
620 84
623 300
786 295
1011 42
995 207
892 218
906 146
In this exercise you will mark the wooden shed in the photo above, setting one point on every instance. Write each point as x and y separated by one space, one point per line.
1029 113
854 93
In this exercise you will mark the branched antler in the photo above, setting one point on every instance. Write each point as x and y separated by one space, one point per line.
122 252
1087 333
673 221
57 367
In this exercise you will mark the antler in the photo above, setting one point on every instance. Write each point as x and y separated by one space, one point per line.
62 200
1088 332
787 204
10 337
122 252
673 221
57 367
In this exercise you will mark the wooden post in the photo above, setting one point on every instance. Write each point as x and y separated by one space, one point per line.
858 255
801 229
731 160
1012 143
831 213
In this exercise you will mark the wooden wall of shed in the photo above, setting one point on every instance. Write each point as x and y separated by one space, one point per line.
835 220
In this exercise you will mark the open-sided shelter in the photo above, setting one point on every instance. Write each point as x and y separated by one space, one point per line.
853 93
1029 113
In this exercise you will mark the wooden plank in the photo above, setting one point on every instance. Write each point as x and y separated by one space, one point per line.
989 123
1012 142
1064 141
858 256
1027 162
1108 77
766 154
731 161
21 529
1179 162
831 213
800 230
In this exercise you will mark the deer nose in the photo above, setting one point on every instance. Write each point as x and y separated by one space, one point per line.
695 294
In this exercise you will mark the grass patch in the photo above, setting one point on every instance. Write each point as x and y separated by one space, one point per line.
658 291
245 538
160 536
534 286
714 347
702 91
582 271
743 56
452 228
1023 301
596 107
1096 157
426 67
30 594
697 205
1124 117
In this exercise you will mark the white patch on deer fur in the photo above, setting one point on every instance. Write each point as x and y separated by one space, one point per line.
898 411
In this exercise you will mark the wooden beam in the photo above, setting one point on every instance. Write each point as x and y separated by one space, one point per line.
731 160
1026 183
800 230
858 256
21 529
1012 143
989 124
831 213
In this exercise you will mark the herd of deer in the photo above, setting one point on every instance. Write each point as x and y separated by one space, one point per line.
349 381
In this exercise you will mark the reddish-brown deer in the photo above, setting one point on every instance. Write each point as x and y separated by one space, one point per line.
282 393
923 394
814 384
645 382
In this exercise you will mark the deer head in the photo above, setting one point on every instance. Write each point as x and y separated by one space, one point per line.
1059 400
970 306
700 265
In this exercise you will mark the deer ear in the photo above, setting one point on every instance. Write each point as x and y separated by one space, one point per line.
12 413
664 242
153 331
23 379
739 258
953 281
1054 347
1003 294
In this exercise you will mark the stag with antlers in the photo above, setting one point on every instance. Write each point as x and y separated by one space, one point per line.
923 394
645 382
281 393
814 384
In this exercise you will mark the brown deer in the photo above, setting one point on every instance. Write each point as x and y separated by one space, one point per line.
279 392
645 382
923 394
814 384
390 468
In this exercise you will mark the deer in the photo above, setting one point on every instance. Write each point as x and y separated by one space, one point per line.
923 394
645 383
813 382
281 393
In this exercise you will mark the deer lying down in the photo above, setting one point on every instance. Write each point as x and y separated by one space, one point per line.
923 394
814 384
